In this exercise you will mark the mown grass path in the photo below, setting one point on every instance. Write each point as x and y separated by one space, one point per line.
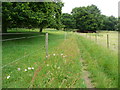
86 75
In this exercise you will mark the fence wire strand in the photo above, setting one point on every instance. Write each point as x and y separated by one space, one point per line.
23 56
20 58
19 38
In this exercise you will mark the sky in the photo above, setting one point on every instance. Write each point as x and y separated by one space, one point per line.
107 7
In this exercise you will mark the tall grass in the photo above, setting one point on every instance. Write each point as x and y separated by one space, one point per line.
60 70
102 63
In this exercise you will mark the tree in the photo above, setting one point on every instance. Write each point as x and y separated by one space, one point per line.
58 10
68 21
87 18
30 14
109 22
6 15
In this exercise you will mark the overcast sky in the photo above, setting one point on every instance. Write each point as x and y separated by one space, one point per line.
107 7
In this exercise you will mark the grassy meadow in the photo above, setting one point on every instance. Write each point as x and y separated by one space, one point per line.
25 65
101 39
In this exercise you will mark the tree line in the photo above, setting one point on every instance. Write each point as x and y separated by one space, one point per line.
89 19
49 14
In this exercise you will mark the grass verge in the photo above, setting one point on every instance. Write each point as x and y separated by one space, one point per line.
102 63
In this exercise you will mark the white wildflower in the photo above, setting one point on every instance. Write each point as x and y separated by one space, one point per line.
61 54
18 69
54 54
25 70
47 64
46 56
8 77
29 68
32 68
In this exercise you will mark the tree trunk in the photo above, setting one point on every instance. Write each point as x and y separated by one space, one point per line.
41 29
4 28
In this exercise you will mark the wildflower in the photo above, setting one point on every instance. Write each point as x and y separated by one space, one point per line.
54 54
46 56
32 68
61 54
47 64
18 69
25 70
8 77
29 68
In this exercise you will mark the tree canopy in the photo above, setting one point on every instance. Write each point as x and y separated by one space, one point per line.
68 21
31 14
88 18
49 14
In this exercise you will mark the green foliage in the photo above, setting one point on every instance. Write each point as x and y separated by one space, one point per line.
31 14
87 18
109 23
68 21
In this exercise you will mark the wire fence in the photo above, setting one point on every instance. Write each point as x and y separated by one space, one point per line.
15 62
107 40
18 38
22 57
12 39
19 59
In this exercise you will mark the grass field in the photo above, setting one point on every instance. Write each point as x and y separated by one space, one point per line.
24 62
101 39
101 62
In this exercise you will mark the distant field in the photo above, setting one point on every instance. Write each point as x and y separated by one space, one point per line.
101 39
25 65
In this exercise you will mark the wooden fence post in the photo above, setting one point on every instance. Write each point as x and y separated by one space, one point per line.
46 44
107 41
96 38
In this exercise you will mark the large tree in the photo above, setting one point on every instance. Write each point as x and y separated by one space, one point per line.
109 22
87 18
30 14
68 21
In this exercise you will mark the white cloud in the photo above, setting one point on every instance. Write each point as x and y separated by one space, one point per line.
107 7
